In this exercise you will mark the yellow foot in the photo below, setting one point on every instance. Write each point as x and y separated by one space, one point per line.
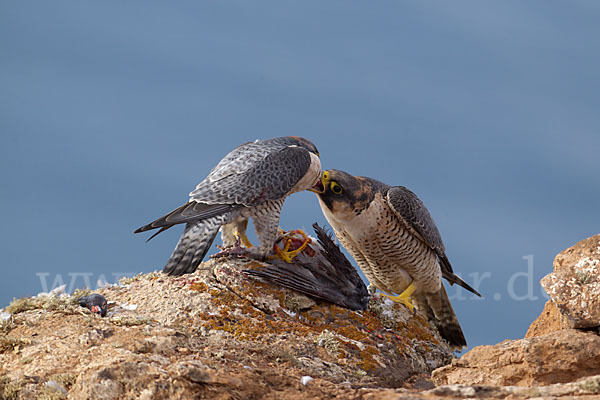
244 239
288 255
404 297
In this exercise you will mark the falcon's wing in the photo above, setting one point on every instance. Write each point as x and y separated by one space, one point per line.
191 211
251 180
239 160
415 216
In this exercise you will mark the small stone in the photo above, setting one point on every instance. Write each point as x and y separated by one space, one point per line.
56 386
194 371
129 307
92 337
5 316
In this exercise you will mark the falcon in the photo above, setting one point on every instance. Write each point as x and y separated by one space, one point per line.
395 242
252 181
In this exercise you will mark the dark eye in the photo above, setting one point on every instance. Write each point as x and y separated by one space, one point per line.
335 188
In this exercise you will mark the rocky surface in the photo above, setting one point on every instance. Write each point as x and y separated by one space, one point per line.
574 289
574 286
557 357
213 333
219 334
550 320
561 345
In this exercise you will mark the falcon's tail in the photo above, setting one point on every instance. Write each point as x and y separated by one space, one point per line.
451 277
437 309
189 212
193 245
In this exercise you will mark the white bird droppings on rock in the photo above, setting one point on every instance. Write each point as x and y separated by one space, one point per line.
305 379
56 386
128 307
54 292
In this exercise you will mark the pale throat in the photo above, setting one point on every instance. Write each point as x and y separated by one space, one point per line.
313 174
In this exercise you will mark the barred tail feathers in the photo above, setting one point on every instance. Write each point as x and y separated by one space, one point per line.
437 309
194 243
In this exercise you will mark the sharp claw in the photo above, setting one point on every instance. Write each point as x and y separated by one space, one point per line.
404 297
244 239
233 251
286 254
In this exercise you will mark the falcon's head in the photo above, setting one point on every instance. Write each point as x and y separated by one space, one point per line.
304 143
313 170
344 194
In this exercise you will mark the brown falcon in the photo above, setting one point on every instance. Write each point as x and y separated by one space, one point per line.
395 242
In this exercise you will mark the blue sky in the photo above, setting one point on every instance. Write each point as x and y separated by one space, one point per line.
111 112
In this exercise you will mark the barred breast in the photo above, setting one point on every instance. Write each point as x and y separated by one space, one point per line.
390 256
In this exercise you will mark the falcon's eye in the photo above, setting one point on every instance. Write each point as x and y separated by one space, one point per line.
335 188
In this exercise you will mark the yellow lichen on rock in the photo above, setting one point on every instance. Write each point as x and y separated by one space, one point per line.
158 328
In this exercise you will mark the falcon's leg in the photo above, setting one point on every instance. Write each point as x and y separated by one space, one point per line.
404 297
286 254
231 232
228 234
240 231
242 235
266 223
236 250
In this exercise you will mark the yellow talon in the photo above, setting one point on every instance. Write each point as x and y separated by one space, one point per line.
285 254
291 254
244 239
404 297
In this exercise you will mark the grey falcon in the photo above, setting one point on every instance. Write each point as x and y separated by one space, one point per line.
252 181
393 238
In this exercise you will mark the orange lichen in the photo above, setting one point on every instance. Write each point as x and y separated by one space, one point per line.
359 333
416 328
199 287
367 362
351 332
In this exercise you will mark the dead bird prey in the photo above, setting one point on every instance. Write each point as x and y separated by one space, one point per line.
320 271
96 303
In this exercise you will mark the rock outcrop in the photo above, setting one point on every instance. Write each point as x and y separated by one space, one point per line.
221 334
561 345
550 320
206 334
574 290
556 357
574 286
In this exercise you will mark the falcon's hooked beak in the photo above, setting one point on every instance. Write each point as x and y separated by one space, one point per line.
321 184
